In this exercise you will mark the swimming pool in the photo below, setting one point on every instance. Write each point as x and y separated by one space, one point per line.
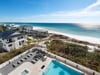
56 68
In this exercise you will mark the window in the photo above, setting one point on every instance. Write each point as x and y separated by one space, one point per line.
20 37
19 43
1 44
9 40
23 41
10 45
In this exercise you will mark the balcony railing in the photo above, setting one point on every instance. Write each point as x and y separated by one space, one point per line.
10 41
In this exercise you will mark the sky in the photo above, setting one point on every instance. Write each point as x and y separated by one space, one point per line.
64 11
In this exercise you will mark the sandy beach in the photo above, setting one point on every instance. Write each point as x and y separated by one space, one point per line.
77 37
82 38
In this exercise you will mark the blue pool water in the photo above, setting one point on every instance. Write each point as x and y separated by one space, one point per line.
56 68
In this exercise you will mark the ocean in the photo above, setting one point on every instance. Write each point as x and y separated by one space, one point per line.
69 28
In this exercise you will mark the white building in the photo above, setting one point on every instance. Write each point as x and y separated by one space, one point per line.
11 40
25 28
40 33
12 27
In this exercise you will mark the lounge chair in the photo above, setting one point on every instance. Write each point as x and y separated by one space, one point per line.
14 65
43 67
28 55
22 60
18 62
25 58
44 58
31 54
33 61
33 50
36 59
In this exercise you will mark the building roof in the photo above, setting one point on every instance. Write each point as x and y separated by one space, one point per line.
9 34
29 26
40 30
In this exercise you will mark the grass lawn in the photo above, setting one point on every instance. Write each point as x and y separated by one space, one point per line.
31 41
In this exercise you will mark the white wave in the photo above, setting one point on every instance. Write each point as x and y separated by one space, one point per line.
36 28
78 37
89 25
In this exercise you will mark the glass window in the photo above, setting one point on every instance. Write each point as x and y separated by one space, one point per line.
19 43
20 37
10 45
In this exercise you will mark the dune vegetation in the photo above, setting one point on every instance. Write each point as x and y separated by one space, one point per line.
76 53
8 55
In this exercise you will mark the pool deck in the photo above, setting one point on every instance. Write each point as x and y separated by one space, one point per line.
35 68
8 68
32 68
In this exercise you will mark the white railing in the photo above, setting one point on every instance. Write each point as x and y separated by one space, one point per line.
16 57
66 61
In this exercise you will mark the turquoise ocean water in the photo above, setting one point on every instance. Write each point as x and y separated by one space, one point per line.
69 28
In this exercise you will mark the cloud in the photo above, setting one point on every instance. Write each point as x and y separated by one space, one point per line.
84 15
86 12
90 7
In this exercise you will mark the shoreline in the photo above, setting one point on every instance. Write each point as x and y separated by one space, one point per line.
93 40
77 37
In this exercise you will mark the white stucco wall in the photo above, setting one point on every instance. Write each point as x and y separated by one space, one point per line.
15 43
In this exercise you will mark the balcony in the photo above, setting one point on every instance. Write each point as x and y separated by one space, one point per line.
10 41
